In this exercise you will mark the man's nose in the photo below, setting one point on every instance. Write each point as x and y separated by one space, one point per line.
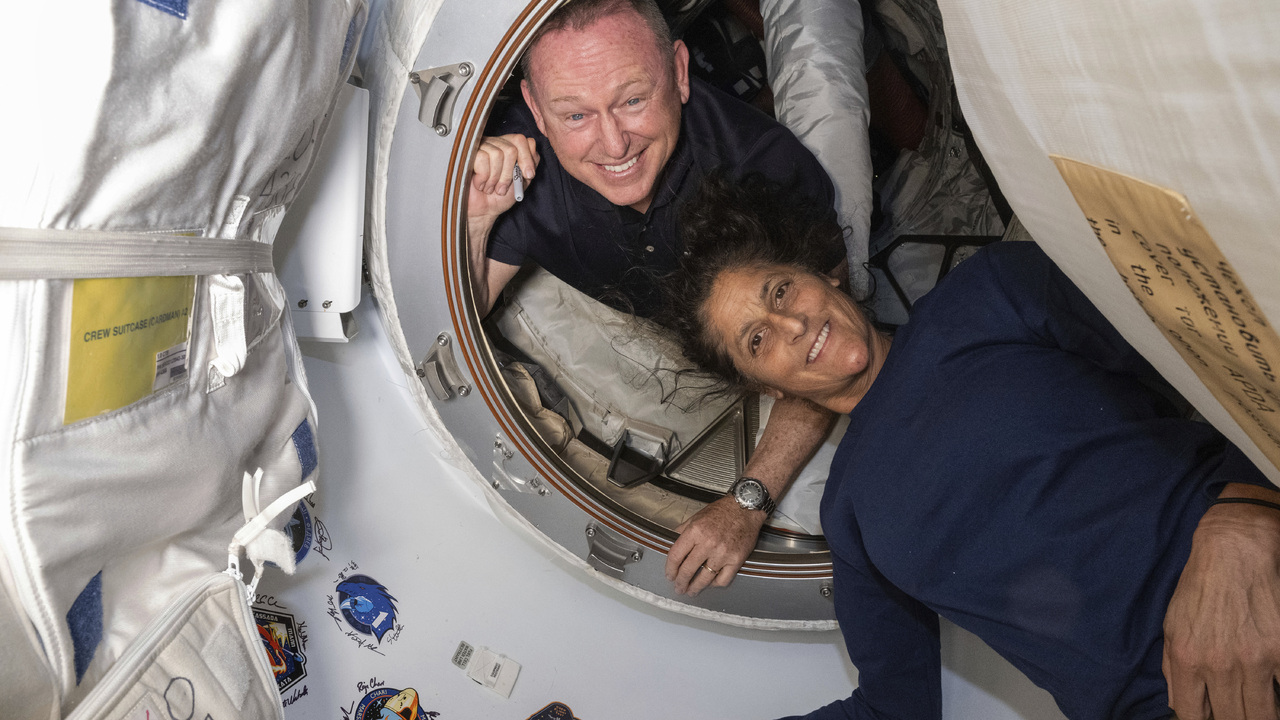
613 137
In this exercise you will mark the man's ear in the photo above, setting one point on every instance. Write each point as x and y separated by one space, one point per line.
527 90
775 394
682 69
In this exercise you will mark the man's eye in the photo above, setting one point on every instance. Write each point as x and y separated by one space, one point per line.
574 117
755 342
633 101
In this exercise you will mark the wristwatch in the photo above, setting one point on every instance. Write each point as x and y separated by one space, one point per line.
751 494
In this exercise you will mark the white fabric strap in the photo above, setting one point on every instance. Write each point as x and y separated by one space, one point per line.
254 527
226 302
33 254
258 524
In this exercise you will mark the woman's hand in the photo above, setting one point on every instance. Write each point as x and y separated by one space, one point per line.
1222 628
712 546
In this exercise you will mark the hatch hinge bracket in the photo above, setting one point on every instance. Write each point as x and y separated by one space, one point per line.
439 371
609 553
504 479
438 89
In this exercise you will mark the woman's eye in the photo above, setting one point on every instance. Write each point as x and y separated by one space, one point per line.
779 293
755 342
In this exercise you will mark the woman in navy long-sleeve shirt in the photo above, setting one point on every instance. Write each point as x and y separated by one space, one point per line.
1011 464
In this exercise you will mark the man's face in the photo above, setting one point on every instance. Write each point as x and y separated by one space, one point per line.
609 102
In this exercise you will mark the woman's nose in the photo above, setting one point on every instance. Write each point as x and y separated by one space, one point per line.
793 326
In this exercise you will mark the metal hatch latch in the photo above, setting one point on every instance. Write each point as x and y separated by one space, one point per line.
640 454
438 88
439 371
609 553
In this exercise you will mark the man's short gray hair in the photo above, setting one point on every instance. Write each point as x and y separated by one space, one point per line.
579 14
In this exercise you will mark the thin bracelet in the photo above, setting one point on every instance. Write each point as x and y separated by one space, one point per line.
1247 501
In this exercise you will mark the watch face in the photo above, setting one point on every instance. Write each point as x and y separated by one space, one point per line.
750 494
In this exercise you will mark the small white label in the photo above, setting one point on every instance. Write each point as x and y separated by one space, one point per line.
171 366
494 671
463 654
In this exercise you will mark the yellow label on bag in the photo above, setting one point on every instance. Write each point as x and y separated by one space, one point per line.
128 339
1186 286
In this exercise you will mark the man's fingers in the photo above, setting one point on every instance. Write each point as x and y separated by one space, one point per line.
726 574
702 578
689 571
675 558
527 156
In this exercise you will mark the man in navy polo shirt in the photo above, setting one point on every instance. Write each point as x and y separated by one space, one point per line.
616 134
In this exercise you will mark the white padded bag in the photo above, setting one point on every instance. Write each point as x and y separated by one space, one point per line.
152 146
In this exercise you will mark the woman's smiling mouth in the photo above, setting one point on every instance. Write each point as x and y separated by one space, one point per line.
819 342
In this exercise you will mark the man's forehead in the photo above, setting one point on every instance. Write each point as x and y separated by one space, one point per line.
638 43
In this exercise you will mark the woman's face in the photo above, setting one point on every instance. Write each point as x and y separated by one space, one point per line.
794 333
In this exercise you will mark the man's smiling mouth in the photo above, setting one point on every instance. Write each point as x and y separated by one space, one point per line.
624 166
819 342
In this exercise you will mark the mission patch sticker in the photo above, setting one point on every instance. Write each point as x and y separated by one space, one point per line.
554 711
279 634
385 703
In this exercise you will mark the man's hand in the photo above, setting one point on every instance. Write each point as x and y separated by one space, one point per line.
491 174
1222 628
722 534
712 546
489 195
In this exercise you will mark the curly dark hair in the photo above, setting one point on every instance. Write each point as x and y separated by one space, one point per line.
728 225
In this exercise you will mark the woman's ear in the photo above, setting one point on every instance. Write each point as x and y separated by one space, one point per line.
775 394
838 276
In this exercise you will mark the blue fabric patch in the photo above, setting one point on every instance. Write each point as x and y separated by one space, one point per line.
305 443
349 44
84 619
176 8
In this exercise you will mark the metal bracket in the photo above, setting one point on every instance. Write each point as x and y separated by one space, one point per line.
439 371
609 553
438 89
640 454
502 479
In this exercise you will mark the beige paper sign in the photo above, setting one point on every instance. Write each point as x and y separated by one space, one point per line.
1189 290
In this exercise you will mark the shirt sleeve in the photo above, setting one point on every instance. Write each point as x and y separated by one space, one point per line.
892 640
